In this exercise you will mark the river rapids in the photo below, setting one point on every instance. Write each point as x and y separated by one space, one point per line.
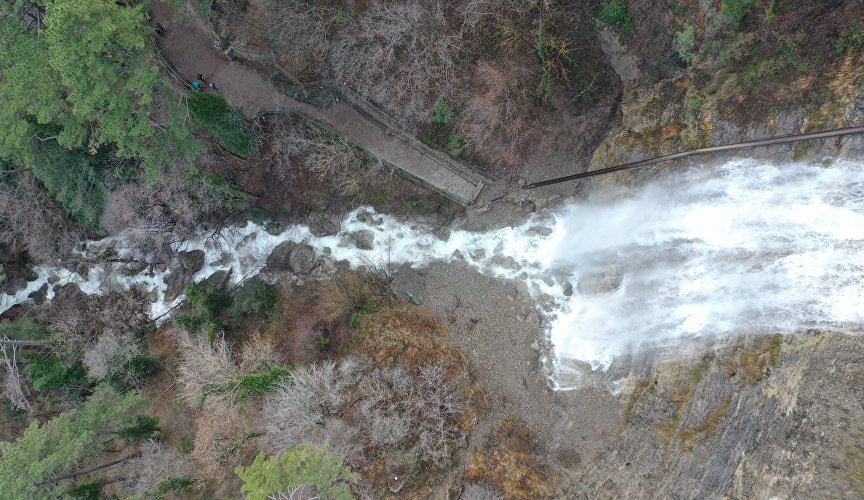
746 247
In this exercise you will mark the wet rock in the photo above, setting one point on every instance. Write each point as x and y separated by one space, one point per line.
218 279
53 279
327 266
30 274
301 259
133 268
363 239
191 261
39 295
443 234
368 218
567 288
249 238
601 282
321 226
83 270
541 230
343 265
176 280
505 262
409 285
153 297
478 254
274 228
279 257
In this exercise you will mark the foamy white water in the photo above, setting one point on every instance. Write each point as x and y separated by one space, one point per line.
744 248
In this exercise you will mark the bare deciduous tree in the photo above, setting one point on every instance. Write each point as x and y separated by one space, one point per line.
303 404
110 357
30 219
400 55
205 366
155 464
13 385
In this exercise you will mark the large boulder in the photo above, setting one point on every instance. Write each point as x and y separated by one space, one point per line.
40 295
301 260
219 278
320 226
364 239
278 258
192 261
132 268
408 285
593 283
176 280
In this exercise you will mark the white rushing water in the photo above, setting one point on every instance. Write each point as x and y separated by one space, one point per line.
747 247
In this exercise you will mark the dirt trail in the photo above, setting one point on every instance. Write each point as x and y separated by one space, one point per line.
189 47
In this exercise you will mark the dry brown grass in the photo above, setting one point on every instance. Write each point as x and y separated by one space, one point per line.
408 335
508 460
340 297
708 427
751 361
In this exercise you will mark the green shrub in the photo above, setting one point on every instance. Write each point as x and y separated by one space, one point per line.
443 112
358 316
203 304
685 42
186 444
49 372
616 12
253 298
735 10
176 484
225 121
263 381
321 343
88 490
455 143
695 104
143 428
853 39
23 329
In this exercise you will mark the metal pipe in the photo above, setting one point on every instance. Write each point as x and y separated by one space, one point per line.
726 147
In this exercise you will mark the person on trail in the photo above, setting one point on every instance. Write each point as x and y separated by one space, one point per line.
160 30
213 86
196 84
200 77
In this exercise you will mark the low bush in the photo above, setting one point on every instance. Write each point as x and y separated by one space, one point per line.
735 10
143 428
685 42
49 372
443 112
616 12
203 304
225 121
252 298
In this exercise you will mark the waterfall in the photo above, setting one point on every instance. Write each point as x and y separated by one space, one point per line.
747 247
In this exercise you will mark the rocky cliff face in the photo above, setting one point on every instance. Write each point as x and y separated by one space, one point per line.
767 417
692 78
